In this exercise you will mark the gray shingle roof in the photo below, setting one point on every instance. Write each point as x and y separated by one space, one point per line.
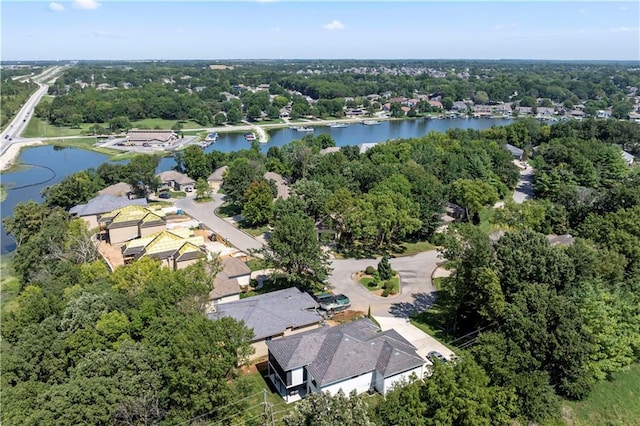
515 151
218 174
234 267
104 204
272 313
172 175
332 354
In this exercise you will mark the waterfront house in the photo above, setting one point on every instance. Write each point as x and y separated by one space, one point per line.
355 356
130 222
100 205
216 178
176 181
156 138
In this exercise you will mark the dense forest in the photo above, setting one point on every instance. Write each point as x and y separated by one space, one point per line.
13 95
98 93
532 322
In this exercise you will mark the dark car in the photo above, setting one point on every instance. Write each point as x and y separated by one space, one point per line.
433 355
164 195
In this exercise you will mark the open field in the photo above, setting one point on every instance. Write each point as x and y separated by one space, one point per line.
614 402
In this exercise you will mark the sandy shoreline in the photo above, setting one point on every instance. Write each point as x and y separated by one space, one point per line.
10 156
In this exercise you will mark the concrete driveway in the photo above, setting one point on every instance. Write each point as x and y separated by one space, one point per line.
524 190
417 294
204 213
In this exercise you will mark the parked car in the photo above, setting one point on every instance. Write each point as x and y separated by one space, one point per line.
164 195
433 355
333 303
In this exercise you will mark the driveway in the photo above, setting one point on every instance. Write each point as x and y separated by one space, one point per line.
417 294
204 213
524 190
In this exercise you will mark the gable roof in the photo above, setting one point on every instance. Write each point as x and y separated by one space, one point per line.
282 188
103 204
333 354
172 175
218 174
514 150
272 313
133 215
117 189
164 244
234 267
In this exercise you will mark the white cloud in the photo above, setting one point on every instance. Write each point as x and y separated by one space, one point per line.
86 4
56 7
334 25
622 29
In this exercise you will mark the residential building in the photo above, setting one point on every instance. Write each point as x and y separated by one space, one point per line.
176 181
130 222
95 207
628 158
355 356
234 277
281 185
272 315
515 151
216 178
120 189
175 249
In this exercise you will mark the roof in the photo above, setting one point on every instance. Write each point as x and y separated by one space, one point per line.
117 189
333 354
150 135
103 204
329 150
172 175
218 174
272 313
283 189
628 158
133 215
364 147
234 267
514 150
560 240
165 244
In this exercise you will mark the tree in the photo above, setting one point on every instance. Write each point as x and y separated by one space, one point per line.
26 221
74 189
193 161
258 206
203 190
384 268
238 177
322 409
141 173
314 196
294 250
472 195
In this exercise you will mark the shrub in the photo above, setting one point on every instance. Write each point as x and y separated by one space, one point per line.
373 283
388 285
385 293
370 270
384 268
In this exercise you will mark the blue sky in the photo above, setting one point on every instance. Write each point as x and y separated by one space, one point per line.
93 29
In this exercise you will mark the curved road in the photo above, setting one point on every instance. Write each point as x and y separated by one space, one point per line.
204 212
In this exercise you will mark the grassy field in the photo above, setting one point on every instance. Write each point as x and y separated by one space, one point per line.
38 128
9 284
614 402
159 123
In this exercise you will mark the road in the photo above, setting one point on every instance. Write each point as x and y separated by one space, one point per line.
11 134
524 190
204 213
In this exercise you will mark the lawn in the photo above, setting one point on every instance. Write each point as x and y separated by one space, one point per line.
87 143
227 210
258 386
9 284
408 248
38 128
159 123
256 264
368 282
614 402
253 231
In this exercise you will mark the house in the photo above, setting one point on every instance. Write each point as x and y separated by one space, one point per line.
364 147
560 240
130 222
354 356
100 205
459 106
175 249
229 282
216 178
515 151
524 110
176 181
120 189
281 185
151 137
272 315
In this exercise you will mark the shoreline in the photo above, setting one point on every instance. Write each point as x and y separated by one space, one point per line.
11 155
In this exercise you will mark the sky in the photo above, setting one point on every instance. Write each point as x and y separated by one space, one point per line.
356 29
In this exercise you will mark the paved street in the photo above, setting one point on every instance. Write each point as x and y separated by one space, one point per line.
204 212
524 190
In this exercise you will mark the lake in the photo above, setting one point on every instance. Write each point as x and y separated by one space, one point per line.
47 165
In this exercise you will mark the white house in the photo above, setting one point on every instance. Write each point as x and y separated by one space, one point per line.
354 356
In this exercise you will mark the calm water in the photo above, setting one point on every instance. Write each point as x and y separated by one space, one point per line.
50 165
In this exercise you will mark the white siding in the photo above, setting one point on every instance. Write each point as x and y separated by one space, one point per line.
360 384
297 376
244 280
390 381
227 299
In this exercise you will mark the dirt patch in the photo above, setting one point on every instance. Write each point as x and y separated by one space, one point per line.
347 316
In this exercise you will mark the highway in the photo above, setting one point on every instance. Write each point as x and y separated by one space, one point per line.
11 134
